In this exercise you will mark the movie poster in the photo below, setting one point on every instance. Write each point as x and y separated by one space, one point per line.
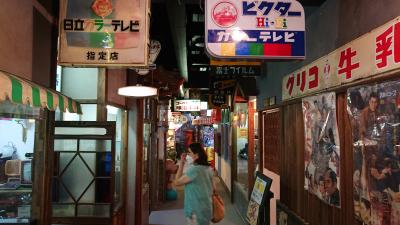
374 113
322 151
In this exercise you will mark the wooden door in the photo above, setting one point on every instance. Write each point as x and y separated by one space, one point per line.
271 140
83 173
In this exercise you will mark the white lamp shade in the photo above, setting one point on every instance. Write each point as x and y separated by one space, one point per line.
137 91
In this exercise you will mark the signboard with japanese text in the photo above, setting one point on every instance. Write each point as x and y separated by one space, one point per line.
236 70
220 87
187 105
374 53
263 29
104 33
217 100
223 85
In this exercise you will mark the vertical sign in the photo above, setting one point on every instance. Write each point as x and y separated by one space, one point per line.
104 32
262 29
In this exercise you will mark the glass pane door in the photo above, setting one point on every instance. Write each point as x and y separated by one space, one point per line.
83 172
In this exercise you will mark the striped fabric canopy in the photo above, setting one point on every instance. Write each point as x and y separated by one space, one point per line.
25 92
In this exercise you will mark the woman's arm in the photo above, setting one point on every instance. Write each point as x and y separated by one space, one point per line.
181 179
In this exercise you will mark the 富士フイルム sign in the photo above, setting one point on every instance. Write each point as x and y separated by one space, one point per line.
262 29
374 53
104 32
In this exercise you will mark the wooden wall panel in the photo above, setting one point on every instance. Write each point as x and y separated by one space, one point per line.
293 194
116 78
272 140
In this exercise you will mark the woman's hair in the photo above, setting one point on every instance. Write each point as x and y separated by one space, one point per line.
199 150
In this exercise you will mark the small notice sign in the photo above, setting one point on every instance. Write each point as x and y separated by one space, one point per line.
257 199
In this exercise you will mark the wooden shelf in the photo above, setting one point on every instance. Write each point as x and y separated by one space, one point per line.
5 191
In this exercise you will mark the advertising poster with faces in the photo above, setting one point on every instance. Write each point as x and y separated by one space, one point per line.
322 151
374 113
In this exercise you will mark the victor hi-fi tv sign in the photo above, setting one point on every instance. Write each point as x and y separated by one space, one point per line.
268 29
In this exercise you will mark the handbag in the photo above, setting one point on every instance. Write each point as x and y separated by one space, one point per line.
218 208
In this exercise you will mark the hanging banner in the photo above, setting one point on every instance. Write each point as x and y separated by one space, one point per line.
270 29
374 53
104 32
322 151
374 117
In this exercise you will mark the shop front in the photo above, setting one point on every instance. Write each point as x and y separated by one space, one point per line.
340 133
25 131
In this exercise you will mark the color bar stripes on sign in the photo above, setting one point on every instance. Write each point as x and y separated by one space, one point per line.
256 43
24 92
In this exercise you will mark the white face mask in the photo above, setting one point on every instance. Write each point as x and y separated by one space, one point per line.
189 159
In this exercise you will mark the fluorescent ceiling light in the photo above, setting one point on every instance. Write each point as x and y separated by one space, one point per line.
137 91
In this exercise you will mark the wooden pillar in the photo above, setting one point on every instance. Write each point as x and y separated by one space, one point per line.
101 95
139 162
251 111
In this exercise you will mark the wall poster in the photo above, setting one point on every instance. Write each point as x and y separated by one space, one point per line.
374 113
322 151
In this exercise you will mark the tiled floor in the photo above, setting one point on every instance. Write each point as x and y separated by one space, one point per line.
171 212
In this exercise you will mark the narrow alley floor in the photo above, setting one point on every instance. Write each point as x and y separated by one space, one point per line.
171 212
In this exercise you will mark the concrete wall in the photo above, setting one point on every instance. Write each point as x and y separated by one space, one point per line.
28 40
334 24
16 29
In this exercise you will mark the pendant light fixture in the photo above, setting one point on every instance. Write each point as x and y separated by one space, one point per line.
137 91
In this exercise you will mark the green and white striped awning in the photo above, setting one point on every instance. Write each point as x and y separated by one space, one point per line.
25 92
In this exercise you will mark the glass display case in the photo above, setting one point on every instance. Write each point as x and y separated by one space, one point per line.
19 126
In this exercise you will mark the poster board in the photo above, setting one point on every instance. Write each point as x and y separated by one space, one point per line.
258 197
322 148
373 110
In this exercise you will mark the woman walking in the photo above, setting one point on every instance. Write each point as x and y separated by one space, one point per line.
198 186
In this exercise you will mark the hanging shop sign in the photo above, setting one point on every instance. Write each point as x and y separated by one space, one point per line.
270 29
374 53
322 151
104 33
220 87
188 105
373 113
236 70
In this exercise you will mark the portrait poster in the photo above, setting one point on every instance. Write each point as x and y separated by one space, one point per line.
375 118
322 150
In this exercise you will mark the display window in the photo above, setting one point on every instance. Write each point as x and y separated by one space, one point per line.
21 143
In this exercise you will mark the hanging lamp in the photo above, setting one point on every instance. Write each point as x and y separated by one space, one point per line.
137 91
